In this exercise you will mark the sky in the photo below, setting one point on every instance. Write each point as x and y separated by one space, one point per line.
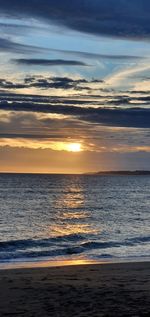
74 85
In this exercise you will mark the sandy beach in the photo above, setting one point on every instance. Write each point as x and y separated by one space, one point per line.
119 289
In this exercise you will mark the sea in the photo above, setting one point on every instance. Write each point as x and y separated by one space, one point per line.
61 217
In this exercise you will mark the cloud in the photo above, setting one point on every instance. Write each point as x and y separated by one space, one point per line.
48 62
13 28
38 130
10 85
121 18
51 83
8 45
14 47
84 92
92 55
119 77
116 117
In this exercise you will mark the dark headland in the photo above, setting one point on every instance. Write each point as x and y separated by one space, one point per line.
137 172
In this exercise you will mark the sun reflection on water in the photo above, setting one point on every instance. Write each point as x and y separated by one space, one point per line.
64 229
71 200
72 216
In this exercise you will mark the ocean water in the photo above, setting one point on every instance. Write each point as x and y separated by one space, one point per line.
58 217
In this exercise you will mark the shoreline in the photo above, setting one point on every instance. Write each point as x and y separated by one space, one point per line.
91 290
46 263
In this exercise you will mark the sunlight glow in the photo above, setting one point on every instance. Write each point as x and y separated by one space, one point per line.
74 147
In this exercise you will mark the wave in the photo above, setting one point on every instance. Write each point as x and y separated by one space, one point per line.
137 240
73 244
27 243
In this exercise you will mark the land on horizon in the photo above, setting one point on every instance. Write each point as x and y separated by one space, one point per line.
136 172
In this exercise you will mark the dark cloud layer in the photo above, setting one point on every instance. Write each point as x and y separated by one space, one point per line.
94 94
48 62
85 93
134 117
121 18
50 82
30 136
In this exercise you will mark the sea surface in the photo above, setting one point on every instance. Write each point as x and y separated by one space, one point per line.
58 217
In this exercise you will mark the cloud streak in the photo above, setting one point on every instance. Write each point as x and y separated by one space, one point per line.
122 18
98 56
7 45
48 62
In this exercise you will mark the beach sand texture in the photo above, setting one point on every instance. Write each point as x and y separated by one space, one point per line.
71 291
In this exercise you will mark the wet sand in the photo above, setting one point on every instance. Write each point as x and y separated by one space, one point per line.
119 289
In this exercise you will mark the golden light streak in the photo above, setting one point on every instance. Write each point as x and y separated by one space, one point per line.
70 147
42 144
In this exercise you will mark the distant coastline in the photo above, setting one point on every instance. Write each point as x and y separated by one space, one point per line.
137 172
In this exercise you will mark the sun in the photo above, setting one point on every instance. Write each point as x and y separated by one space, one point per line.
74 147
